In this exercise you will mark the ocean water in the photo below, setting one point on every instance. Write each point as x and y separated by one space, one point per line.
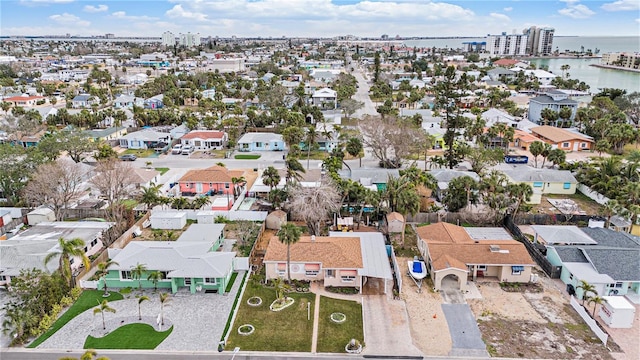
596 78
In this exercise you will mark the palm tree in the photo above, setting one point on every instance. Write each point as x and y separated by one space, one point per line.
102 307
294 169
271 177
103 271
65 250
150 195
165 299
155 277
238 182
354 148
289 234
200 201
16 321
280 287
310 141
586 290
179 203
136 273
522 193
596 300
141 299
611 207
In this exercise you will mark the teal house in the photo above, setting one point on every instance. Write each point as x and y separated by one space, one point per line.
192 263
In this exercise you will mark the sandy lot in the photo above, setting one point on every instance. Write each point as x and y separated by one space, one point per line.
429 329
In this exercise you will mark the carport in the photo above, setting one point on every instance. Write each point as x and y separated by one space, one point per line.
447 276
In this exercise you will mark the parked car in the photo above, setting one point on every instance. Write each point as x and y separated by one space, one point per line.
128 157
187 149
177 149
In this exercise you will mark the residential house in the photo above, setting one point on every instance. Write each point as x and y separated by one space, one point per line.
31 140
24 100
144 139
564 139
28 249
554 100
338 260
501 74
143 177
127 102
205 139
190 263
542 181
325 98
112 133
213 180
610 262
83 101
374 178
523 139
444 177
456 255
154 102
261 142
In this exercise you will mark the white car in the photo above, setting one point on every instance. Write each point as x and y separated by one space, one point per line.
177 149
187 149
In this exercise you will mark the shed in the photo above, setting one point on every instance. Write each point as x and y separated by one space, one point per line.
617 312
168 220
205 217
276 219
395 222
43 214
5 217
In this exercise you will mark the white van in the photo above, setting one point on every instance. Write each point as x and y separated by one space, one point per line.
187 149
177 149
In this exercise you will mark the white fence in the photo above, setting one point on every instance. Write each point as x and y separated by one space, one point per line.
241 264
396 270
593 195
86 284
603 336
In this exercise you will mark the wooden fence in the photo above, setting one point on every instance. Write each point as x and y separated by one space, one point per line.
551 270
128 235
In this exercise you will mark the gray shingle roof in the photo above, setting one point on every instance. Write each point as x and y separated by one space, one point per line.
608 261
544 99
570 254
529 174
610 238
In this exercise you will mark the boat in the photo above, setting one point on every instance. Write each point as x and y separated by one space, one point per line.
417 269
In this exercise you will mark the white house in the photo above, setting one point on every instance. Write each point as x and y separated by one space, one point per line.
325 98
205 139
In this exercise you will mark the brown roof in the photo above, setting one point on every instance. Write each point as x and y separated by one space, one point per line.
394 216
203 135
214 174
460 255
332 252
443 233
558 135
505 62
144 175
524 136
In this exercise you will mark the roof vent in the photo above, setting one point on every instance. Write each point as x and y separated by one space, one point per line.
494 248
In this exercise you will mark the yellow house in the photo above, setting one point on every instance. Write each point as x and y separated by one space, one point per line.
112 133
456 255
542 181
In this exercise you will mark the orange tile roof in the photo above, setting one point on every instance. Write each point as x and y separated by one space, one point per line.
395 216
524 136
332 252
23 98
214 174
558 135
443 233
460 255
505 62
204 135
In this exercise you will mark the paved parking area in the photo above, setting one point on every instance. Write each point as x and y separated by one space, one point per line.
198 320
465 334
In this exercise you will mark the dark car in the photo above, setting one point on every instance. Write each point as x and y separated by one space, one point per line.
128 157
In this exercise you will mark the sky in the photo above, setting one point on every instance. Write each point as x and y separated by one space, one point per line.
317 18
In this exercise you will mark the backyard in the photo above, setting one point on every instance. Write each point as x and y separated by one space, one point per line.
585 204
293 329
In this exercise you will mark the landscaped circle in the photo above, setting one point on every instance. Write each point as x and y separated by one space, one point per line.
337 317
246 329
254 301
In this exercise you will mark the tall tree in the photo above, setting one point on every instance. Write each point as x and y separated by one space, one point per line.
155 277
289 234
141 299
136 273
448 94
314 204
587 289
165 300
354 148
103 271
67 249
271 177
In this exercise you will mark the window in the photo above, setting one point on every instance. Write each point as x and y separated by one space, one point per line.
566 186
187 281
331 273
86 249
196 143
245 146
226 185
570 276
3 278
583 145
311 273
565 144
482 267
517 270
616 285
164 274
537 184
259 144
94 242
125 275
210 281
210 185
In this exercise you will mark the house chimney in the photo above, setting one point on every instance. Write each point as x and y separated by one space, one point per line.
313 238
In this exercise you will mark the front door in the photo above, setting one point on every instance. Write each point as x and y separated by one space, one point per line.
199 188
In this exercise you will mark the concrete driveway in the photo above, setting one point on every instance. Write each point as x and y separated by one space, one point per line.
386 327
465 334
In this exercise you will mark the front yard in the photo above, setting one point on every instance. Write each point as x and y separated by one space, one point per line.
131 336
332 336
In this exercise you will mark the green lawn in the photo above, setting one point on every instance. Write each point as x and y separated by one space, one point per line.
332 337
131 336
162 170
286 330
231 281
139 152
87 300
247 156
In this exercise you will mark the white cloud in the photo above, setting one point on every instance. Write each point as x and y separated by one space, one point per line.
622 5
95 9
69 19
507 9
575 10
178 12
501 17
122 15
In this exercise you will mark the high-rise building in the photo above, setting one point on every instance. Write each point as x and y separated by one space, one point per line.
515 44
540 40
168 39
189 39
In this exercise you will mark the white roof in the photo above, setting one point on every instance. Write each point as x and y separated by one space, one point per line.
259 137
202 232
563 234
375 260
488 233
325 92
586 272
167 214
618 302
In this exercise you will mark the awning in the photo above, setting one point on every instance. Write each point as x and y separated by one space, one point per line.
517 268
348 272
282 266
312 267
